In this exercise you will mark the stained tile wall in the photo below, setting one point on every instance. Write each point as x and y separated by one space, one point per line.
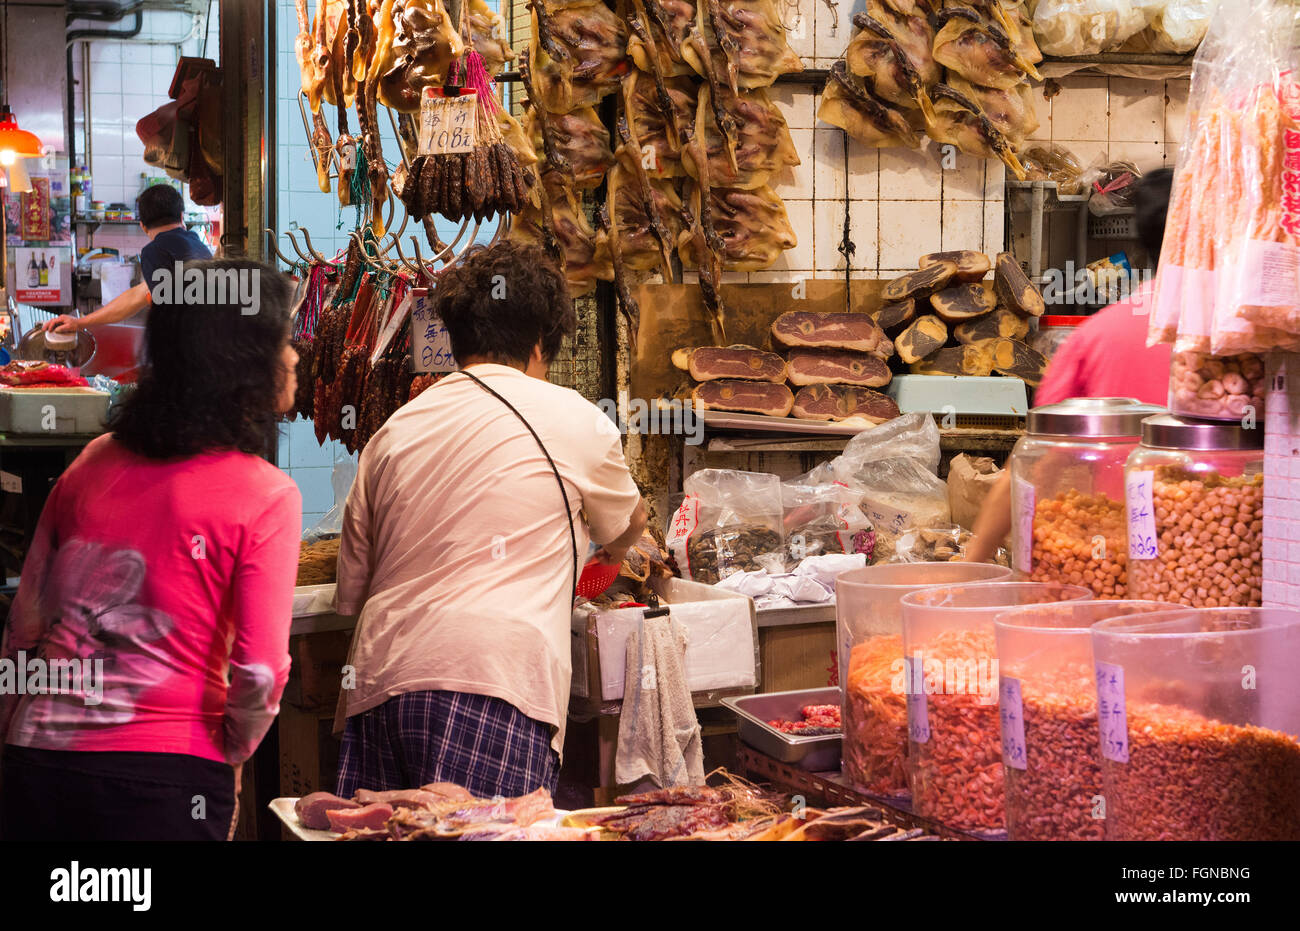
1282 484
127 80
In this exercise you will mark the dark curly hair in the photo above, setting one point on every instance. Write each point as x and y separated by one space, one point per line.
501 301
212 371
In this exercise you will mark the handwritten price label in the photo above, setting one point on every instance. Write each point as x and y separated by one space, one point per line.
430 342
1011 710
1111 720
1142 540
448 125
918 711
1023 503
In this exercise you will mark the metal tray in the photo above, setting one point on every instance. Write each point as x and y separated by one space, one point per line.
815 754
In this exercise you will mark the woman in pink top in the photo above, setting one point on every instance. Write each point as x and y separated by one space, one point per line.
147 647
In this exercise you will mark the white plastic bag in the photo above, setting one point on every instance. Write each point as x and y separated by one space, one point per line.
1180 25
1087 27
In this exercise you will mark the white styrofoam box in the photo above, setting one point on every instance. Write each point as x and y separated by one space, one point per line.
722 639
80 411
1002 397
314 599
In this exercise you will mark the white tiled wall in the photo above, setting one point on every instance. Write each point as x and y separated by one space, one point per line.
128 80
1282 484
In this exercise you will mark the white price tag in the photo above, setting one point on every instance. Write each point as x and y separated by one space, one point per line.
391 326
11 483
1012 712
448 125
1111 720
918 711
1143 542
1023 502
430 343
885 518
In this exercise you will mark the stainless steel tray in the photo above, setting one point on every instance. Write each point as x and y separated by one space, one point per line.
815 754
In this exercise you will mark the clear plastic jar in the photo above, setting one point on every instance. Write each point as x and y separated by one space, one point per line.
950 669
1048 704
1067 492
1199 713
1218 387
1195 502
869 622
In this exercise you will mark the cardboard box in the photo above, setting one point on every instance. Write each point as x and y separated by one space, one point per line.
721 654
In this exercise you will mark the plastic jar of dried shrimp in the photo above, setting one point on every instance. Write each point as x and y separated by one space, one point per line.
1195 508
950 676
1047 700
1067 487
869 630
1199 717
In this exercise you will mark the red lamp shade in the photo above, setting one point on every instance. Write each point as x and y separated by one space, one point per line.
15 142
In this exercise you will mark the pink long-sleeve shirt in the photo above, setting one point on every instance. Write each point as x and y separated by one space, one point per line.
172 583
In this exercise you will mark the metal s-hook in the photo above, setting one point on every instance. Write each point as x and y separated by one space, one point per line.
316 255
294 243
275 247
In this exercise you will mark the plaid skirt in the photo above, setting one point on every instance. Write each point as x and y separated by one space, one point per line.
480 742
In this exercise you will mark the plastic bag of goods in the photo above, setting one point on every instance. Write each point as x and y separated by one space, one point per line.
869 632
1229 279
819 520
892 469
1180 25
727 521
1086 27
1217 387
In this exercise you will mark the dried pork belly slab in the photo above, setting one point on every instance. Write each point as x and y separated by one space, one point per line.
842 402
592 41
746 397
849 104
837 366
827 331
746 362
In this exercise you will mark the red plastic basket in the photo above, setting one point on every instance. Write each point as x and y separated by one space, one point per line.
595 578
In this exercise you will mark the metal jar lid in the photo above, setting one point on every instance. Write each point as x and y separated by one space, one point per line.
1092 417
1169 432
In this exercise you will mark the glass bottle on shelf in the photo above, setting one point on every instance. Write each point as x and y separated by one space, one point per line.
33 273
44 273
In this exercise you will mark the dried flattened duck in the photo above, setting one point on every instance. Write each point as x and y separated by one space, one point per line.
578 53
487 35
580 139
746 39
875 55
1011 111
752 225
645 214
849 104
959 121
424 44
909 25
667 25
979 50
585 251
659 135
762 145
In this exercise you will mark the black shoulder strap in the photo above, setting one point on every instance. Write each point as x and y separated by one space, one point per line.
573 537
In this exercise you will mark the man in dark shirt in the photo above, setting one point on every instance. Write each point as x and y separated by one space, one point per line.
161 212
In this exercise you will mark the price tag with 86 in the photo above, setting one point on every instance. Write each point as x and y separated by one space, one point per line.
430 342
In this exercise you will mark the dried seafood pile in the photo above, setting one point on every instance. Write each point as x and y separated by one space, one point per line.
956 70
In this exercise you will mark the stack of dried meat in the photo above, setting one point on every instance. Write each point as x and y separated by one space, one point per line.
946 319
832 364
957 70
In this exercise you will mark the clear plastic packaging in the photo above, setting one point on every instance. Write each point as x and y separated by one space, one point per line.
950 673
1195 508
820 520
1218 387
1086 27
869 631
1067 492
1048 705
725 522
1199 713
1229 277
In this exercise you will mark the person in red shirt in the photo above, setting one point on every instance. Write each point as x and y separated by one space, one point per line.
1106 357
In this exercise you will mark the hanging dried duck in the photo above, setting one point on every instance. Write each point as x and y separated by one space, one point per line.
487 35
580 142
425 42
760 147
959 121
876 56
658 28
745 40
848 103
658 133
646 214
578 53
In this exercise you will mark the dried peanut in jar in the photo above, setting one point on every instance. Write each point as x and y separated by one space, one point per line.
1209 540
1081 539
